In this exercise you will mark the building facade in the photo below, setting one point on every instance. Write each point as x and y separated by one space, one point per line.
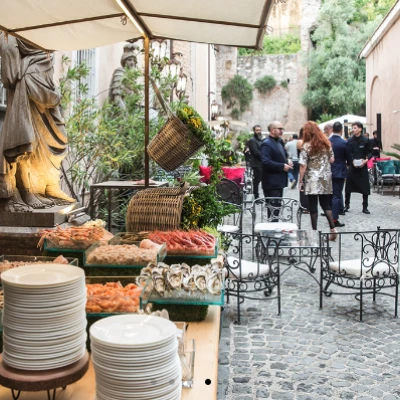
383 79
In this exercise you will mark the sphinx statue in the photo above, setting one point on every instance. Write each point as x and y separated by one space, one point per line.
33 140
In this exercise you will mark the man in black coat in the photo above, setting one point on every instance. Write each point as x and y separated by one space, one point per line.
339 169
275 166
254 145
357 175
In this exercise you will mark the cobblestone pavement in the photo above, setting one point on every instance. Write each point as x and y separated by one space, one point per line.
308 353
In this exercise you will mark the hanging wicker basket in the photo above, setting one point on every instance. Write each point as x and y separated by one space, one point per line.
155 209
175 143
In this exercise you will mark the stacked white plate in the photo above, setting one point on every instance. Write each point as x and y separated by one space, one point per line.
44 316
136 357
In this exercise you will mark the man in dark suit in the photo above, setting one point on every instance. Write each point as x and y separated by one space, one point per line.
343 159
254 145
275 166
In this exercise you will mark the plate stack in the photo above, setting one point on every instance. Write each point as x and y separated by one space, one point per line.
44 316
136 357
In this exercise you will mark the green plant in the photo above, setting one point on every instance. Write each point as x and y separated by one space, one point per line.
235 113
324 118
391 154
284 84
265 84
285 44
190 117
237 93
203 208
226 151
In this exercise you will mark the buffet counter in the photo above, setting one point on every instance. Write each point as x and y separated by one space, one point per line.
206 335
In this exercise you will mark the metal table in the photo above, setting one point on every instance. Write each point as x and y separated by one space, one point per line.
301 253
117 185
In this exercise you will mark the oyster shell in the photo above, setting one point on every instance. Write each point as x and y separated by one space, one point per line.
214 283
188 283
200 279
174 278
141 280
159 285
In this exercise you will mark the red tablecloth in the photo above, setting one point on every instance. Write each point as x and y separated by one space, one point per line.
235 174
370 163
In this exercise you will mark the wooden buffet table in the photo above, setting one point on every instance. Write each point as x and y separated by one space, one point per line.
205 333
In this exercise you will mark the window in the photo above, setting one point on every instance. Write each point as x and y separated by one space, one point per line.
88 57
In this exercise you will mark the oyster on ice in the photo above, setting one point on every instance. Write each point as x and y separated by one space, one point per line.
214 283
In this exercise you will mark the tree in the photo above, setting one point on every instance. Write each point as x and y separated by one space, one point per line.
336 80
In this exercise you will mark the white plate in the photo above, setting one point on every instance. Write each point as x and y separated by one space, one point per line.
132 330
42 275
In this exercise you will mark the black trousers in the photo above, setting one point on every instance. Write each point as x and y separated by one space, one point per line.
273 206
337 197
364 203
256 181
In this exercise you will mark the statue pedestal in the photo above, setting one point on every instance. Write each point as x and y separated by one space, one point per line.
41 218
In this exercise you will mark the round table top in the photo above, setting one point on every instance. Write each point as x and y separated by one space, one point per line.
35 381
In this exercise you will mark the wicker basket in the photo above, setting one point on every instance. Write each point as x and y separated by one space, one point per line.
173 145
155 209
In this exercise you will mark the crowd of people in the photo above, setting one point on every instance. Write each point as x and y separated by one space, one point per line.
320 163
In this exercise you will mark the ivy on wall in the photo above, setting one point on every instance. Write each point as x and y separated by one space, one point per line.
237 93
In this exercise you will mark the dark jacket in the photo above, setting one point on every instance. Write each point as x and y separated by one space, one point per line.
358 178
273 158
342 155
375 143
254 145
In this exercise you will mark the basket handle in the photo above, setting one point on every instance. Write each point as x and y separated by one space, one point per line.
163 103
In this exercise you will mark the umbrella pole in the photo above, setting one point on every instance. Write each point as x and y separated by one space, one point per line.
146 109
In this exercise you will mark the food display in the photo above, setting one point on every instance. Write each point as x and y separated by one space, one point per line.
112 297
183 279
74 237
1 299
135 254
6 264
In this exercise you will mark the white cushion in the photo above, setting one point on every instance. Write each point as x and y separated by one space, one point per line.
227 228
247 267
354 268
272 226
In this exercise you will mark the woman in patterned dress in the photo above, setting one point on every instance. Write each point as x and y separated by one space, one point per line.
315 173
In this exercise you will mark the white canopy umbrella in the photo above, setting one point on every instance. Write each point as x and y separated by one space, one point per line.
80 24
348 117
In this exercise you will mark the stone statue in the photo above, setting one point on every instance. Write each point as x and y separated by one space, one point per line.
33 141
117 90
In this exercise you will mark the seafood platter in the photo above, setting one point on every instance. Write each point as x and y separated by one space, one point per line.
135 254
72 238
182 284
193 244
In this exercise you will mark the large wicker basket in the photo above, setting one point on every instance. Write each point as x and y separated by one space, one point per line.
155 209
173 145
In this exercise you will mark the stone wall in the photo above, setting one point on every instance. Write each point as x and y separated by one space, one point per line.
226 68
283 104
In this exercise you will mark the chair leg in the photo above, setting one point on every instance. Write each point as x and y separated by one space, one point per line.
361 300
396 297
238 304
374 294
279 293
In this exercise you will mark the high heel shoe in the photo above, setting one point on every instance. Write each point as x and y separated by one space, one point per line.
333 235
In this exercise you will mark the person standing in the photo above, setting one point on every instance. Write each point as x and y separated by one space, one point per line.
357 175
376 145
254 145
275 166
291 150
328 130
339 170
315 177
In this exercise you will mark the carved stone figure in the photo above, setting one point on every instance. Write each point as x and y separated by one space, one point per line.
33 140
117 90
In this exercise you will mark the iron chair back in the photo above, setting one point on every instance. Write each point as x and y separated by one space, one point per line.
373 272
246 278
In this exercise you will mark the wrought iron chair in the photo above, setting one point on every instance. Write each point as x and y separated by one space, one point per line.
386 174
375 271
246 278
230 192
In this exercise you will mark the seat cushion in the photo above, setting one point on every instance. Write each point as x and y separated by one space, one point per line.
396 164
247 268
353 268
387 167
227 228
273 226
